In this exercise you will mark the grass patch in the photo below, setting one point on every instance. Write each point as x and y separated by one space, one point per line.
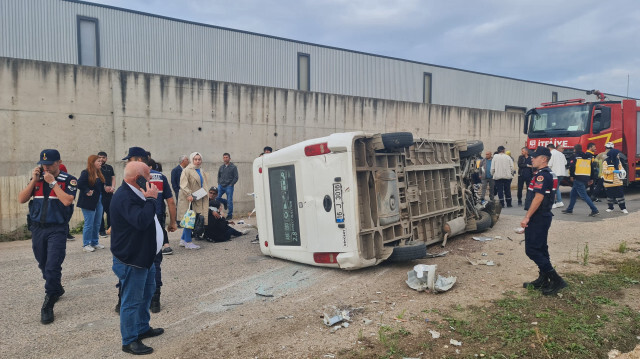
77 229
19 234
586 321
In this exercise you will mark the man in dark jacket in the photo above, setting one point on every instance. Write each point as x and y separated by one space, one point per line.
176 173
227 178
136 238
524 172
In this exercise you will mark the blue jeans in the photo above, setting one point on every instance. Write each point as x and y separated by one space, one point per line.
137 286
580 189
558 194
229 191
186 235
92 221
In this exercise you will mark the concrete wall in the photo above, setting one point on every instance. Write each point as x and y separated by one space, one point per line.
82 110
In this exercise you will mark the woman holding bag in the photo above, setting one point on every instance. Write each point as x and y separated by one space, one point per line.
192 179
90 189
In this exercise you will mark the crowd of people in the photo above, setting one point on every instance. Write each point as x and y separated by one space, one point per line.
590 174
135 219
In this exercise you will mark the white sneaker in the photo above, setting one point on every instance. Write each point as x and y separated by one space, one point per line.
97 246
244 231
182 243
625 211
554 206
190 245
609 210
558 205
88 248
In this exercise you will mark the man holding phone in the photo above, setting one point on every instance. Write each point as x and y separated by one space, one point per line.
136 240
53 192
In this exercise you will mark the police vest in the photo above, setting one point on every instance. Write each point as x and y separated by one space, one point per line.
46 208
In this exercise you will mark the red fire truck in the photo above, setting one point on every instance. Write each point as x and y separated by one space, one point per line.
570 122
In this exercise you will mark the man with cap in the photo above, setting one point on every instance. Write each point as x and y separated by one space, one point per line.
109 189
53 192
536 222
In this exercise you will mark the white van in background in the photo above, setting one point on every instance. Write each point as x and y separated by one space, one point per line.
353 200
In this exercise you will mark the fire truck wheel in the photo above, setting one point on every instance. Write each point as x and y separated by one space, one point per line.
395 140
408 253
474 147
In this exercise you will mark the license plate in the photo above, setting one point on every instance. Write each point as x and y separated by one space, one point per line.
337 202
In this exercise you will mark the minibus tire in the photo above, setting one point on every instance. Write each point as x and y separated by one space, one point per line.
474 147
394 140
408 253
490 208
484 222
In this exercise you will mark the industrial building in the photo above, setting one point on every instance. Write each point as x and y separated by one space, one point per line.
84 33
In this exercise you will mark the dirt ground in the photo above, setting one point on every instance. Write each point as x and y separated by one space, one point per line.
210 308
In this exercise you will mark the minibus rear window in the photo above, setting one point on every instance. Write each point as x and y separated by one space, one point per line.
284 206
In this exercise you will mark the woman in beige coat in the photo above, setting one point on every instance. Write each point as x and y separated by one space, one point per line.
192 179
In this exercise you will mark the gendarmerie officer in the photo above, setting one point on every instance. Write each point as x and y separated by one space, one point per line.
53 192
536 223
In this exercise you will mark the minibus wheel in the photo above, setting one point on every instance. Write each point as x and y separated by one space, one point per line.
408 253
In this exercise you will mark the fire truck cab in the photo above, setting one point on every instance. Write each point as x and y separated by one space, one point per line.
576 121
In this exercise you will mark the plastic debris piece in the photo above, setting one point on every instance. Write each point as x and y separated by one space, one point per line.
441 254
485 262
367 321
534 323
434 334
455 342
443 284
285 317
336 317
497 237
519 230
335 329
484 254
261 292
482 239
422 283
345 324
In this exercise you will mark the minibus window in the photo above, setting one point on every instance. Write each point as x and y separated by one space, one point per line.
284 206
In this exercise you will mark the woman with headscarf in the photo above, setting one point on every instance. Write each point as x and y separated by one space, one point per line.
192 179
90 189
612 175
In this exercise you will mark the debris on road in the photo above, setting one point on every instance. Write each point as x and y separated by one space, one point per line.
441 254
443 284
423 277
434 334
285 317
231 304
482 239
263 293
481 262
455 342
519 230
336 316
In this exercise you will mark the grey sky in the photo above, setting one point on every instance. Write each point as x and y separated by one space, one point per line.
590 44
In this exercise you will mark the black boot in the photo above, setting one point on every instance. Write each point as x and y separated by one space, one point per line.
119 301
155 301
509 203
555 283
46 313
542 281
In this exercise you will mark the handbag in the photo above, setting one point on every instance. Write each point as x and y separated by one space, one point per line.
189 219
198 226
